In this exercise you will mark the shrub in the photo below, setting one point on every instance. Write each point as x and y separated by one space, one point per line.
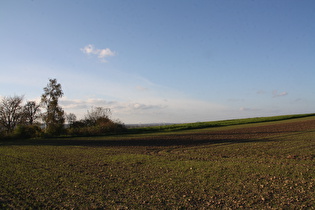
2 135
54 130
97 122
101 127
27 131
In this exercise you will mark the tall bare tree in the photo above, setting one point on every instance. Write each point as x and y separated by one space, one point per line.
54 115
11 112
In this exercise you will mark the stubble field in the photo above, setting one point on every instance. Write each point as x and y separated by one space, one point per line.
261 165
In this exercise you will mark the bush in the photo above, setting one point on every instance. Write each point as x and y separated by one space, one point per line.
2 135
100 128
27 131
97 122
54 130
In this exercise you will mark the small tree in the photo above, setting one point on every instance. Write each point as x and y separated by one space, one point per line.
54 115
71 118
11 112
97 114
31 112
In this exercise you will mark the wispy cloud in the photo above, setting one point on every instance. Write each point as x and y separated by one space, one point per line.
247 109
127 106
148 111
141 88
260 92
234 100
76 104
276 94
139 106
100 53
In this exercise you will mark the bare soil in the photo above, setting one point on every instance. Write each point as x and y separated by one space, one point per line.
243 134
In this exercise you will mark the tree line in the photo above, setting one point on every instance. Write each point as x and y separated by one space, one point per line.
48 118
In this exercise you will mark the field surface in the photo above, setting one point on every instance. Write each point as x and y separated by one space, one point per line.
254 166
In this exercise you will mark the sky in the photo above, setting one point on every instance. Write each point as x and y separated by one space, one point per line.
167 61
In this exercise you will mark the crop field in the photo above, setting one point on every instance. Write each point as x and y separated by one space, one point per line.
261 165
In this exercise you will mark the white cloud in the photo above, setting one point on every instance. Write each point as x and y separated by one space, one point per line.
101 53
104 53
88 49
276 94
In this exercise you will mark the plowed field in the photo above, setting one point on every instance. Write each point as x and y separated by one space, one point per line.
254 166
239 134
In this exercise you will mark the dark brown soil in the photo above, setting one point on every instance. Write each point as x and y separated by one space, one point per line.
252 133
260 131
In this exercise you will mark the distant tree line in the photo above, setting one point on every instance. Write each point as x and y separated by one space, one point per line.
48 118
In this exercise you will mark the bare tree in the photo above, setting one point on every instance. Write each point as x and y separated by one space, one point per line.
71 118
11 112
54 116
97 114
31 112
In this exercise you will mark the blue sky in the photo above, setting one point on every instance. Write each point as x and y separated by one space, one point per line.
163 61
